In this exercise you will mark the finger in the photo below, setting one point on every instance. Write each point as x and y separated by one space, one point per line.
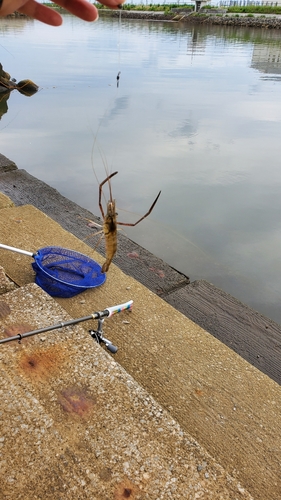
41 13
113 4
80 8
8 6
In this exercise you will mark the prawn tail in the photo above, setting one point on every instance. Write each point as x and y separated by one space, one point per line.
106 264
111 247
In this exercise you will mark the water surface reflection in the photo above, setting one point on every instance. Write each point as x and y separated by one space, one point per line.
193 116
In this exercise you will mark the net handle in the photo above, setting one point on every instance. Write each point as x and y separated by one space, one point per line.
18 250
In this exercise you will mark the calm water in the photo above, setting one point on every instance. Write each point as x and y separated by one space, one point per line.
197 115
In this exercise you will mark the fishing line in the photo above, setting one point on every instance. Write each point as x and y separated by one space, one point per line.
95 143
3 47
119 44
12 119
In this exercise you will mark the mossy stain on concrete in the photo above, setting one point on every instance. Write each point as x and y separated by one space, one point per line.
126 489
76 401
17 329
39 365
4 309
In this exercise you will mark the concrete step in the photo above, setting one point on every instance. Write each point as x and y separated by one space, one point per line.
75 425
251 335
228 406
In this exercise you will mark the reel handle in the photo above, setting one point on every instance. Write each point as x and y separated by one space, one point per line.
112 348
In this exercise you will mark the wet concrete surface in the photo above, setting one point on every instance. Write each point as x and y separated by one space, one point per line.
75 425
228 406
257 339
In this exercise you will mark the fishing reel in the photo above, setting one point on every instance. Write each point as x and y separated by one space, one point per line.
98 336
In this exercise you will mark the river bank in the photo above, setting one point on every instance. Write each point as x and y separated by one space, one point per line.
240 20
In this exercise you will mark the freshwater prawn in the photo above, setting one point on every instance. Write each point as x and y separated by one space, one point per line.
109 226
110 222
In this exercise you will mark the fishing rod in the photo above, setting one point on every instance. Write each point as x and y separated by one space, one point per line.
95 334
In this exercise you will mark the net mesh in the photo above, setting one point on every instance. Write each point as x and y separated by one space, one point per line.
64 273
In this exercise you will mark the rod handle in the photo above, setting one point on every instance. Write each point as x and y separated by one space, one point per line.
121 307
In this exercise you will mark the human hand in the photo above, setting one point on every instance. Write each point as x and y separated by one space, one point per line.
80 8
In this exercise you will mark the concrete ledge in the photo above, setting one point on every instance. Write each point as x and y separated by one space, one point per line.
227 405
75 425
6 165
5 201
250 334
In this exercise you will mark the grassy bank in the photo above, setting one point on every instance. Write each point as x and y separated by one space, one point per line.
250 9
255 9
150 7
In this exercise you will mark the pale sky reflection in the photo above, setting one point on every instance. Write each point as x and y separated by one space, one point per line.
190 117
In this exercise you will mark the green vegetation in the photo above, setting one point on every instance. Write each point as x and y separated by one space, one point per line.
53 6
141 7
150 7
249 9
209 7
255 9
